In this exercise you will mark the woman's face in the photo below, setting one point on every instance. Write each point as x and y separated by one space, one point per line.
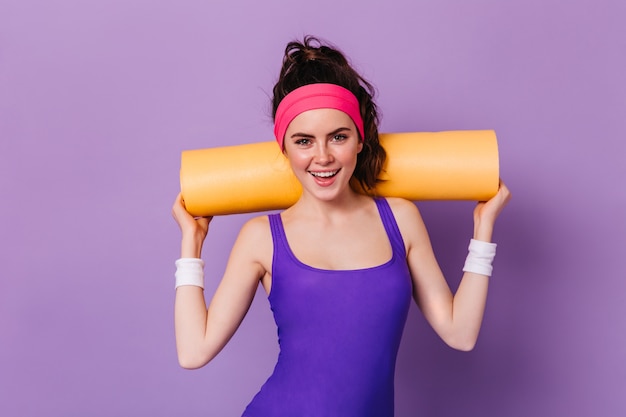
322 146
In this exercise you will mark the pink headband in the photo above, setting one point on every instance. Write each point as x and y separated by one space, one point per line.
315 96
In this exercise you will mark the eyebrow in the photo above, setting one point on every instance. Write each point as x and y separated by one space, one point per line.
308 135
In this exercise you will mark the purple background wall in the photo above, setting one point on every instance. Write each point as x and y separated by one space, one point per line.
98 99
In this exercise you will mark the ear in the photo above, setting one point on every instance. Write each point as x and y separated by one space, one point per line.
359 146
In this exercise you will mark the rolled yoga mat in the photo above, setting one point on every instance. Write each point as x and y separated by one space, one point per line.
454 165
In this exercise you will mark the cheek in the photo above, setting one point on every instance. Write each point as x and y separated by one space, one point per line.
296 160
353 154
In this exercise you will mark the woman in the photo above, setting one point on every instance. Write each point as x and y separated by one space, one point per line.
339 266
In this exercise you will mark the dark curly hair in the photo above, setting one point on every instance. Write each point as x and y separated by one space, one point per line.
312 61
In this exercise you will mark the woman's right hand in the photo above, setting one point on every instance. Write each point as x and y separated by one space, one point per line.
194 229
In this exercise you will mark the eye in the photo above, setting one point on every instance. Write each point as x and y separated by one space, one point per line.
302 141
339 137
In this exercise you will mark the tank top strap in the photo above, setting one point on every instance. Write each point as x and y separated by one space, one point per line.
391 227
278 236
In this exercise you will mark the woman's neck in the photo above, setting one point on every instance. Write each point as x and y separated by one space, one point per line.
334 210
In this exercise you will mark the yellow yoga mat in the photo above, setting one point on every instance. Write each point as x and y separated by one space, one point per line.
454 165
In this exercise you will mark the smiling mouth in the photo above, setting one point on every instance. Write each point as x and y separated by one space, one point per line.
324 174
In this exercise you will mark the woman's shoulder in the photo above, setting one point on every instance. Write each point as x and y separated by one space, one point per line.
402 208
256 228
408 219
254 242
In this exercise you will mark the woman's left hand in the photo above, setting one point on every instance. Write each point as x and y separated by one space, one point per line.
486 213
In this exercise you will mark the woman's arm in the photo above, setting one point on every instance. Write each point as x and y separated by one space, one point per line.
456 318
201 333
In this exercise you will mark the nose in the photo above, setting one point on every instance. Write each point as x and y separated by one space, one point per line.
324 155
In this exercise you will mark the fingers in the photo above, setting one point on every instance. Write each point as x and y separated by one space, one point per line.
203 222
184 219
488 211
178 208
504 192
178 202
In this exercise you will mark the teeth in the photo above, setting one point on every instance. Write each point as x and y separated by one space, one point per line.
326 174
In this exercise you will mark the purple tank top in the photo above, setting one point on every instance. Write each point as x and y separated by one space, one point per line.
338 332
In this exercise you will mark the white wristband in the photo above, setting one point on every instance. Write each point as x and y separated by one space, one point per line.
480 257
190 271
